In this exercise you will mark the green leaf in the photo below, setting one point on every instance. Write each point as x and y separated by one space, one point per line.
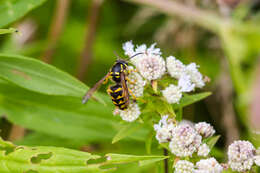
124 158
60 116
179 115
148 142
212 141
165 146
12 10
126 131
190 99
45 160
36 138
40 77
8 31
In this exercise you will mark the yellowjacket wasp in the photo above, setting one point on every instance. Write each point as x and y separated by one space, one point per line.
119 92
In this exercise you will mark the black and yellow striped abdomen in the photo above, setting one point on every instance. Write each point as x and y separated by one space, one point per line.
117 95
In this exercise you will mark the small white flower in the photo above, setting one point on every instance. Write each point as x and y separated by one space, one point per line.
137 87
191 76
184 166
130 51
141 49
185 83
150 66
241 155
175 67
172 94
203 150
204 129
185 140
131 113
153 50
129 48
257 160
195 76
210 165
164 129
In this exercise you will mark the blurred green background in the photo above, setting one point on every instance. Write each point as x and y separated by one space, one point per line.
80 37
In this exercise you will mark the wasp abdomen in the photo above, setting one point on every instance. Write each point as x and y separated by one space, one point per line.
117 95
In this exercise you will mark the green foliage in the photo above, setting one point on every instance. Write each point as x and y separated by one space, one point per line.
12 10
56 115
126 131
212 141
190 99
8 31
17 159
35 139
123 158
39 77
47 101
44 160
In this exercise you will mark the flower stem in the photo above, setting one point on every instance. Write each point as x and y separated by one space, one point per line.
165 153
154 86
207 19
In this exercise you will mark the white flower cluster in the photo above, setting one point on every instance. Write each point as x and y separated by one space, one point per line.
189 72
210 165
203 150
136 83
172 94
131 113
184 138
164 129
149 62
151 65
204 129
184 166
242 155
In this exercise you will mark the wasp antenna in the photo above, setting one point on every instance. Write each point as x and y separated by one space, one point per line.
135 55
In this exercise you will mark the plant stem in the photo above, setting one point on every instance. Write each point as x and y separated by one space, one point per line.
86 54
203 18
17 132
56 28
166 167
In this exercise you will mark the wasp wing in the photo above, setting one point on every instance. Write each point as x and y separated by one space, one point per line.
94 88
125 89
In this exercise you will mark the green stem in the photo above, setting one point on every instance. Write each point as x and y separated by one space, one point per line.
202 18
8 31
165 152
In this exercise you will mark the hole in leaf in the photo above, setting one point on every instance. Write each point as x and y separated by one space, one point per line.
96 161
40 157
19 148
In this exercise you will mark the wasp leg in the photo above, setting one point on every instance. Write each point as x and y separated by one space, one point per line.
132 70
106 80
130 81
132 94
